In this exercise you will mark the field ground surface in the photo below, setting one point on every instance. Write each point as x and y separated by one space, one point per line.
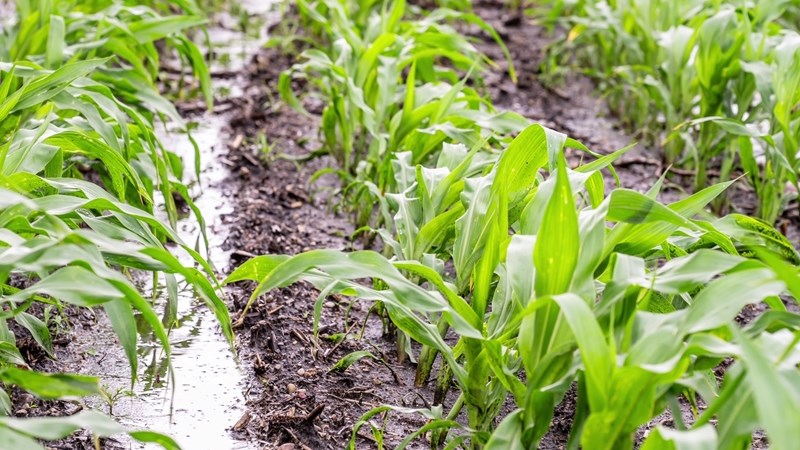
266 205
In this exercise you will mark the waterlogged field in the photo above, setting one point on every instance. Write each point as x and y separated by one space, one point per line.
392 224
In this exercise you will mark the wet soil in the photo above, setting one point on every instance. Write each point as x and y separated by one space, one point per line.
294 401
292 398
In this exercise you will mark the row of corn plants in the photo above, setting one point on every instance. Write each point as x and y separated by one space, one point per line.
87 191
525 277
703 80
366 48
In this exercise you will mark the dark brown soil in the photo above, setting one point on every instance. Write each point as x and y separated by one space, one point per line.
294 400
276 213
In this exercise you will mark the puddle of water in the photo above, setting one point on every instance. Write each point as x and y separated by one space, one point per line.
206 399
236 39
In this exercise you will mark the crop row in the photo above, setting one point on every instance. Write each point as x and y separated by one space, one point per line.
82 179
705 81
522 274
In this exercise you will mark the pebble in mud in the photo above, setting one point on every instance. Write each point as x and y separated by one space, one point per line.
301 371
291 388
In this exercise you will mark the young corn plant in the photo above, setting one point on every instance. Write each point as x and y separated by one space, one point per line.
442 217
702 79
59 249
104 82
360 76
579 293
80 167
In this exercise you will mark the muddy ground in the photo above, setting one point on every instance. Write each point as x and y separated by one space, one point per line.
295 402
293 399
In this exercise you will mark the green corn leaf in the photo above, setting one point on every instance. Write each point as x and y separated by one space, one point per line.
775 402
90 290
50 386
53 428
255 269
18 441
43 88
598 359
702 438
557 244
11 355
350 359
37 329
508 435
55 42
119 170
120 314
150 30
155 438
635 239
722 299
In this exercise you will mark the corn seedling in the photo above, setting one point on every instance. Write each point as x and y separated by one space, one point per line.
589 289
709 82
547 280
80 170
372 112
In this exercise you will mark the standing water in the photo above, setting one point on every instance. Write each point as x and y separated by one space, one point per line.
206 400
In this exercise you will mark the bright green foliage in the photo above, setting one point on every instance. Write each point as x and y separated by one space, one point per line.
547 280
704 80
24 434
631 299
372 112
81 171
111 103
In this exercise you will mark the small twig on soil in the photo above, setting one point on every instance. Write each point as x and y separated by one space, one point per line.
243 253
272 340
237 142
555 93
220 106
394 374
242 423
314 414
224 74
692 172
299 336
366 436
252 159
382 360
296 439
353 401
275 309
424 401
349 400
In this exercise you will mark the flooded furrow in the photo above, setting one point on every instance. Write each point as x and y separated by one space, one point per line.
202 406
